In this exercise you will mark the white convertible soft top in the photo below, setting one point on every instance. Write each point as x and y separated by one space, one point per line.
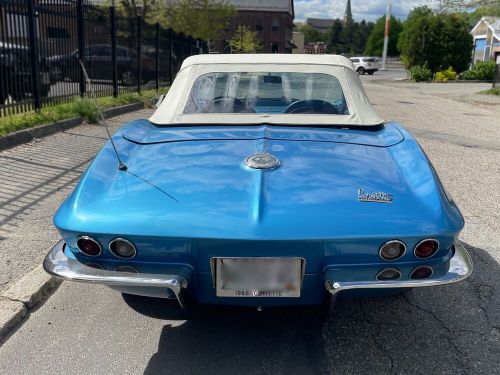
361 112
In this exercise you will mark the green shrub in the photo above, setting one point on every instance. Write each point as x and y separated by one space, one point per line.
420 73
441 77
446 75
469 75
485 70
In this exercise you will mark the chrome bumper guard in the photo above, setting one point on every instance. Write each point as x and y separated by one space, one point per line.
59 265
460 269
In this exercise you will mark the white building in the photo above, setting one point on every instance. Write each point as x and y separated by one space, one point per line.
486 36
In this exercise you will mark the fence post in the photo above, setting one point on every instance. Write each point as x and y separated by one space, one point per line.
157 56
139 53
496 76
35 81
171 53
114 68
81 42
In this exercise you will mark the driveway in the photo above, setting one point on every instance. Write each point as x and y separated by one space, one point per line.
451 329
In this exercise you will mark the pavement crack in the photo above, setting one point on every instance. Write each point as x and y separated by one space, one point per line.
376 332
460 355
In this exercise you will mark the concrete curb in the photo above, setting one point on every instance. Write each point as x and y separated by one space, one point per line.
22 297
41 131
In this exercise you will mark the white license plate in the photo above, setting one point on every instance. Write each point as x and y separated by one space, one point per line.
258 277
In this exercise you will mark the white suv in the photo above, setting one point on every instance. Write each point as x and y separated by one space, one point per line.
365 64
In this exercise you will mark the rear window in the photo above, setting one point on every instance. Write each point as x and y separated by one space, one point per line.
266 92
370 60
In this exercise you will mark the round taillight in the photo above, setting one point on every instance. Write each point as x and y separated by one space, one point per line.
426 248
389 274
422 272
88 246
122 248
392 250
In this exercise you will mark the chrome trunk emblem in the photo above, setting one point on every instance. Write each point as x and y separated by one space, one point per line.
262 161
378 197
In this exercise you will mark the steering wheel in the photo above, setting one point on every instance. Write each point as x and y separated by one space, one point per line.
221 104
313 106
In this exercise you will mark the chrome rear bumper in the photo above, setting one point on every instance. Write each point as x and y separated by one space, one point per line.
59 265
460 269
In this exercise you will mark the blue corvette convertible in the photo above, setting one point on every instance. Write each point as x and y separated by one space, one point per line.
261 180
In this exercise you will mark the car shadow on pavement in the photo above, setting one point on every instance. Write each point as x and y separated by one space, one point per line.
451 329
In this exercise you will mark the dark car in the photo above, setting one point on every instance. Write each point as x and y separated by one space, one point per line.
98 59
16 81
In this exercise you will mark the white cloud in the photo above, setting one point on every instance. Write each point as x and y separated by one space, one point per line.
361 9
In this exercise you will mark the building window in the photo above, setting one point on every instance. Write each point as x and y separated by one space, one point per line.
276 24
57 32
258 26
275 47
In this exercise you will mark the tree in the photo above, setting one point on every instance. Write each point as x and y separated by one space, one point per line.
470 4
334 44
201 19
437 41
311 35
375 43
348 38
245 41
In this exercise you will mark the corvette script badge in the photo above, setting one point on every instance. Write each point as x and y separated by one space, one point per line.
378 197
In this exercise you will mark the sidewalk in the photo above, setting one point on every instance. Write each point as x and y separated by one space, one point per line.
36 178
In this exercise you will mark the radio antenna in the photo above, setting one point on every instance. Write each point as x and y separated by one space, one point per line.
121 165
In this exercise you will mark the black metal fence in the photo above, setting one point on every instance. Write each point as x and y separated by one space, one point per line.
496 76
41 42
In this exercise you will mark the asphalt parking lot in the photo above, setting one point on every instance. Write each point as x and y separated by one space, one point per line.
451 329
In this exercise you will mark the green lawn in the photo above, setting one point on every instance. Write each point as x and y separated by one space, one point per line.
495 91
79 107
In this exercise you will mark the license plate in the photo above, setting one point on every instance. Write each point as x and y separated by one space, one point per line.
258 277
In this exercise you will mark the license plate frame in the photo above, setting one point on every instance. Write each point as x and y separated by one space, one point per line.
218 278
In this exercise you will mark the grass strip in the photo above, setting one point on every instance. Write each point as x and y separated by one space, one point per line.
78 107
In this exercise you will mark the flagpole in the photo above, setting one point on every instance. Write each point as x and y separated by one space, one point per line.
386 35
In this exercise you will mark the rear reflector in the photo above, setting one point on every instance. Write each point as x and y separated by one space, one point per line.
88 246
422 272
426 248
389 274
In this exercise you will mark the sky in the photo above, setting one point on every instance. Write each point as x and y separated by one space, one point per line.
369 10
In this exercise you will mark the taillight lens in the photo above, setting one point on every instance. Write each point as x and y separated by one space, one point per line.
426 248
389 274
122 248
88 246
392 250
422 272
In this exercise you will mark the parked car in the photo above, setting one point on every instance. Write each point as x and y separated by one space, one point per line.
364 65
16 82
98 59
261 180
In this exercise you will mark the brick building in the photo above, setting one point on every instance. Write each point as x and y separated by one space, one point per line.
271 19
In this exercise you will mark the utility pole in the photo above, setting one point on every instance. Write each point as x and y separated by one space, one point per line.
386 35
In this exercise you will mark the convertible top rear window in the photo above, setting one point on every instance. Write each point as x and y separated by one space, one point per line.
266 93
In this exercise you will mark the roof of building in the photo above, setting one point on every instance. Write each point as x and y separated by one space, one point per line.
265 5
492 22
348 12
320 23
